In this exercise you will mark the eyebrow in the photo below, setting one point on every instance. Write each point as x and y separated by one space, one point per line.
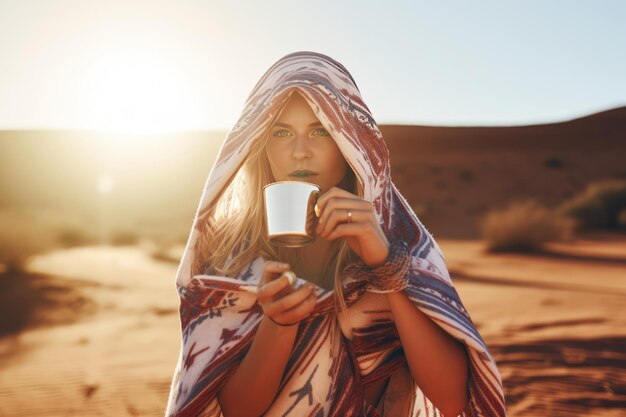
288 125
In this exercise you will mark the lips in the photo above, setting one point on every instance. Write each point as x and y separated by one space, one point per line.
302 173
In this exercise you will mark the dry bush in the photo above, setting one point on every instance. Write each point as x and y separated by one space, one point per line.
124 238
524 226
72 236
26 232
554 162
598 206
22 236
171 254
30 300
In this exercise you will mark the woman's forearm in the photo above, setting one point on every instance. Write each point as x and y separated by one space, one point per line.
438 362
254 385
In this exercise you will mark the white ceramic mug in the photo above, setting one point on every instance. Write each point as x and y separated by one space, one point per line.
290 212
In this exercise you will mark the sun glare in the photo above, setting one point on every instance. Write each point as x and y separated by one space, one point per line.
105 183
131 91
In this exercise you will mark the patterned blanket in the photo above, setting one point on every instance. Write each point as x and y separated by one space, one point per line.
335 355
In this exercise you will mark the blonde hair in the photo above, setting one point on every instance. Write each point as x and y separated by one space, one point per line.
232 232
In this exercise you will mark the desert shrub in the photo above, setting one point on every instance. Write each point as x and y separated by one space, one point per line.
465 175
22 236
124 237
70 236
524 226
598 206
172 254
30 300
553 162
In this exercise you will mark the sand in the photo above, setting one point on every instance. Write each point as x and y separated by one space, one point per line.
554 322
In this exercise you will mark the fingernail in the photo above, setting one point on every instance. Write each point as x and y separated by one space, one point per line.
291 277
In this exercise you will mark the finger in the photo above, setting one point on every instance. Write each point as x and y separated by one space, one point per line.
337 203
288 301
274 287
291 288
340 216
272 270
337 192
352 229
300 311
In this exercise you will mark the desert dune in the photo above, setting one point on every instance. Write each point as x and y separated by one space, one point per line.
89 326
551 321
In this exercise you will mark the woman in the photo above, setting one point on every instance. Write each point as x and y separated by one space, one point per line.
372 327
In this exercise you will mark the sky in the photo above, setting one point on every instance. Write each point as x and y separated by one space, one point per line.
160 66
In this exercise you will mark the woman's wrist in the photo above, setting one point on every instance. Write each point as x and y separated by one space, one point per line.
279 327
382 261
282 324
392 275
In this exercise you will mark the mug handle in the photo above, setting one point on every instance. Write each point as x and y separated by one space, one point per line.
311 213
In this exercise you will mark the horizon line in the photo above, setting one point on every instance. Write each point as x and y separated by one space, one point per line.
390 123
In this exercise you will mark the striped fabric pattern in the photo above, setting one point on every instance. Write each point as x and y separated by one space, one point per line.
335 355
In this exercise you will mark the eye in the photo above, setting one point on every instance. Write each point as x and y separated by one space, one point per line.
322 132
280 133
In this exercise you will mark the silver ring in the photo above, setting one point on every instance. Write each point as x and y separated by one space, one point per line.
291 277
349 216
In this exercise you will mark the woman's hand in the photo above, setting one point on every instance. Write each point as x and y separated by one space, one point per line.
278 298
364 235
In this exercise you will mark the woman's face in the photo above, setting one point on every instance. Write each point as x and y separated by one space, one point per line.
298 142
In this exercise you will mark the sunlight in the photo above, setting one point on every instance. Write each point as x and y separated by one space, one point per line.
134 90
105 183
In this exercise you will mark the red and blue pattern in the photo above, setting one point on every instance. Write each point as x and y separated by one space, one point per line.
335 355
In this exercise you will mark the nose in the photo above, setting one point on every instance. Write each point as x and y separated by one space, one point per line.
301 148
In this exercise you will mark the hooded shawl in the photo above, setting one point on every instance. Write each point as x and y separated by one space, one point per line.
334 354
